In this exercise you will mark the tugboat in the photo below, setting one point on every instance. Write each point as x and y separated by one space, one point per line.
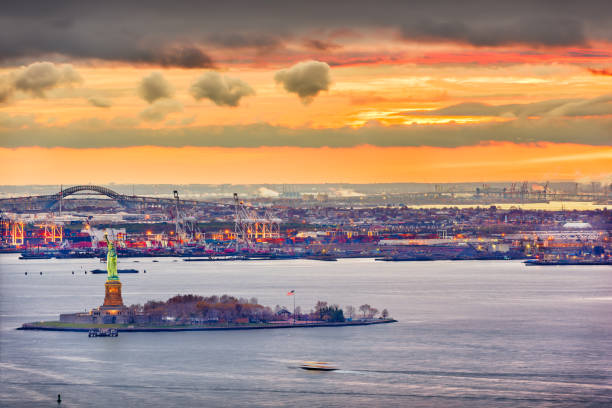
103 333
317 366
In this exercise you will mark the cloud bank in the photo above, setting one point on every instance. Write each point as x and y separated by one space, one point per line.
88 134
599 106
186 33
538 31
6 88
306 79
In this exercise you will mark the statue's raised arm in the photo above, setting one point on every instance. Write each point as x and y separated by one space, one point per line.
111 260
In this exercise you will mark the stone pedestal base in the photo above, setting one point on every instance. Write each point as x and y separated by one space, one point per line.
112 296
113 309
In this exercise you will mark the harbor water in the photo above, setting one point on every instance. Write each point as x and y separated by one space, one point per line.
469 334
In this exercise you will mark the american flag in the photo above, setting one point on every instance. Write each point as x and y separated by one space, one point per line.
291 293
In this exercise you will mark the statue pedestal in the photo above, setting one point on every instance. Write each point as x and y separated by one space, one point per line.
112 295
113 310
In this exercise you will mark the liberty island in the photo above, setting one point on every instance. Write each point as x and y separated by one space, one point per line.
197 313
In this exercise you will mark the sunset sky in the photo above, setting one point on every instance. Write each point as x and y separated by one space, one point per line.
305 92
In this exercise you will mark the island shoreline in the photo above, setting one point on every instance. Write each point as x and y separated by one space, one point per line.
49 327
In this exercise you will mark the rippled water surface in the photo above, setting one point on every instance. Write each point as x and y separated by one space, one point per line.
470 334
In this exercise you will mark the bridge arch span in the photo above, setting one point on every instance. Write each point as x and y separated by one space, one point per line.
98 189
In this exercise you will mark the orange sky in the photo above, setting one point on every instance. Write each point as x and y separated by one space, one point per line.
356 94
493 162
390 102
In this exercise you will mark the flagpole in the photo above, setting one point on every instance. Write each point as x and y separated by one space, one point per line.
292 293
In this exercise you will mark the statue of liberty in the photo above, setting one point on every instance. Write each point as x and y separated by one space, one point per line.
113 303
111 260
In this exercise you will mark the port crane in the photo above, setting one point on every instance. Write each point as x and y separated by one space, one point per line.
186 228
249 227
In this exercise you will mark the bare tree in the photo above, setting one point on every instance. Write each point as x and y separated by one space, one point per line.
372 312
365 309
350 311
385 313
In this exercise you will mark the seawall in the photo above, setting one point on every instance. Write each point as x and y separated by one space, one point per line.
54 326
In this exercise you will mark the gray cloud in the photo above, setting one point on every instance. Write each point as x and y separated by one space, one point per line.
545 31
188 120
99 102
601 105
123 122
262 42
36 79
88 134
6 88
184 57
222 90
39 77
306 79
321 45
154 86
160 109
177 33
16 122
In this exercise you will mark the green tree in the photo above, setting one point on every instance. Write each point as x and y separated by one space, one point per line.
320 309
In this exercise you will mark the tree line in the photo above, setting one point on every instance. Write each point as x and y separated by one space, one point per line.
231 309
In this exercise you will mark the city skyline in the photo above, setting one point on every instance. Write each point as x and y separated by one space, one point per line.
314 93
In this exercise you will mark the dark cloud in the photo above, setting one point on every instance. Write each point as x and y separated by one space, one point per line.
321 45
99 102
533 31
154 86
306 79
183 57
178 33
221 89
160 109
92 134
599 106
237 40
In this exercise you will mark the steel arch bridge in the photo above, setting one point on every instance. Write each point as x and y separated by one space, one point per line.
98 189
48 202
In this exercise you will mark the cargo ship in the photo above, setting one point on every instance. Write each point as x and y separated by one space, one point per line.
36 255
